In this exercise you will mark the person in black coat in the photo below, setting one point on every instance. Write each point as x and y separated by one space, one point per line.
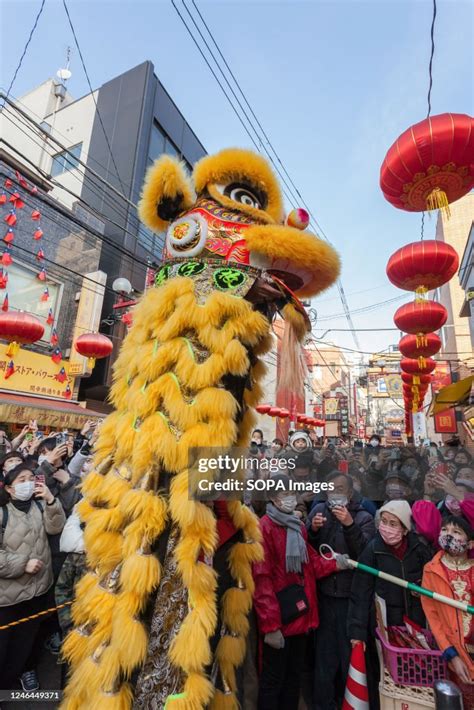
397 551
342 523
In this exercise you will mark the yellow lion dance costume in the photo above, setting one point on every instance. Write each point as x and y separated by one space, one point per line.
187 376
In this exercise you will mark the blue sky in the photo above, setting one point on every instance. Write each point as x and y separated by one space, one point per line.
333 84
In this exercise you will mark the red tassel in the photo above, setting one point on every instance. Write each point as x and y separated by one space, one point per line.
8 183
3 198
34 190
38 234
57 355
54 337
10 219
3 279
61 376
50 318
5 303
10 370
67 392
35 215
9 236
45 296
6 258
40 255
42 275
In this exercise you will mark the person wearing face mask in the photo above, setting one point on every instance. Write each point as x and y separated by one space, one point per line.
285 599
7 462
257 441
28 512
451 573
397 551
342 523
398 486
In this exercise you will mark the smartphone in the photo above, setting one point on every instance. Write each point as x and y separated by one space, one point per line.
61 438
40 478
39 434
343 466
441 468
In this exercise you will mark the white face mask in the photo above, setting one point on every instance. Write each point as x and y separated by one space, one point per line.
287 504
41 458
374 442
23 491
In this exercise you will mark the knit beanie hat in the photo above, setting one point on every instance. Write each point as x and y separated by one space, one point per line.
300 435
401 509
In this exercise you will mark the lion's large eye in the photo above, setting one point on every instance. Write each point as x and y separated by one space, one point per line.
242 194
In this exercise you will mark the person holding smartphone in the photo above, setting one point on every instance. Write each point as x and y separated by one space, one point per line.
28 513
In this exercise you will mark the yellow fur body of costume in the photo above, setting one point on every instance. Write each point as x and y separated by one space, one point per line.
167 400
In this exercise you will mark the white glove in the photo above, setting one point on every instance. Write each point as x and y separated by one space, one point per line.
342 561
275 639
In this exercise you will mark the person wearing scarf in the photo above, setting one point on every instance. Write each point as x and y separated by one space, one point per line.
288 561
28 513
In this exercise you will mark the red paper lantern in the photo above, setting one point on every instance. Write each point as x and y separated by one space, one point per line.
430 164
420 379
94 346
415 346
420 317
422 266
263 408
284 413
274 411
413 367
19 328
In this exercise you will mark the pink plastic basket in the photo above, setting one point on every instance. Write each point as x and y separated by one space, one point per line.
410 666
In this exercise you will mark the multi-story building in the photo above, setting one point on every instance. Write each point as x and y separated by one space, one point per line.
94 151
466 279
457 345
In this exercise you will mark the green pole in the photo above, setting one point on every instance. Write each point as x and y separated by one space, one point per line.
401 582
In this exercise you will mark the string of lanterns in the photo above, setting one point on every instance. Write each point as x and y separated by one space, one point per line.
282 414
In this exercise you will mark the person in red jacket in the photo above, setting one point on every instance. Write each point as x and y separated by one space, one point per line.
285 599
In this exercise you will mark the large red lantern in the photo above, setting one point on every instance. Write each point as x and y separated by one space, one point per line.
284 413
422 266
431 164
420 316
93 346
416 346
409 379
413 367
18 328
274 411
263 408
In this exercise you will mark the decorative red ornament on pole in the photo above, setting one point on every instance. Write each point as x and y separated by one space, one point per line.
263 408
19 328
413 367
420 347
409 379
93 346
430 165
420 317
422 266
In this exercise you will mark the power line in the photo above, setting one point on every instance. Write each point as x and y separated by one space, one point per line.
25 49
109 202
92 94
430 68
338 283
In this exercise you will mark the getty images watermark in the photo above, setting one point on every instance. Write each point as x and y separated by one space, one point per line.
235 474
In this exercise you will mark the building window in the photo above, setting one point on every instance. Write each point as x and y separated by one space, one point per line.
66 160
25 292
160 143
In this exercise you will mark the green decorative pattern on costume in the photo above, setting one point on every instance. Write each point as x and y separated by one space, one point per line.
227 279
162 275
191 268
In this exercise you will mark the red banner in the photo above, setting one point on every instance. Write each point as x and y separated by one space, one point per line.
445 422
441 376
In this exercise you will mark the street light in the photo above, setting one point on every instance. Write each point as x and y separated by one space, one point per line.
122 286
